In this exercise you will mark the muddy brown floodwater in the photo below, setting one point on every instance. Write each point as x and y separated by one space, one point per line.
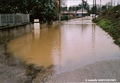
78 49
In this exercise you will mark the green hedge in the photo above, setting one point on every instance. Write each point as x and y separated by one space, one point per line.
64 17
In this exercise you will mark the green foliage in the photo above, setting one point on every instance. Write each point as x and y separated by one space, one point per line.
109 20
45 10
105 23
64 8
64 17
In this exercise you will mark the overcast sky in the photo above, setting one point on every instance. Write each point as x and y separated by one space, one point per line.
76 2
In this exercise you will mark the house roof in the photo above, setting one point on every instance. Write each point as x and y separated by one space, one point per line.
82 10
72 12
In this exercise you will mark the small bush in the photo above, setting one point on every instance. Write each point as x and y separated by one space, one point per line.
64 17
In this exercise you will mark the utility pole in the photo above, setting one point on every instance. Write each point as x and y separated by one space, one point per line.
82 8
93 7
75 12
100 5
117 3
114 2
59 10
111 2
88 9
93 10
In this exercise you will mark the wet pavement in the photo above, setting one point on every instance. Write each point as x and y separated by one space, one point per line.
74 51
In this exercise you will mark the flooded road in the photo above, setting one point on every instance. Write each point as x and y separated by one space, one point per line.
69 47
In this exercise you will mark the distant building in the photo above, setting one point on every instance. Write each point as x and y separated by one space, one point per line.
68 12
82 12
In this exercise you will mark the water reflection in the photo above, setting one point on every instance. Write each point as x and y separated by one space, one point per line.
37 30
93 38
69 46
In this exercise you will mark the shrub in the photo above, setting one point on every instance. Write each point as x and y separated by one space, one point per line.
64 17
